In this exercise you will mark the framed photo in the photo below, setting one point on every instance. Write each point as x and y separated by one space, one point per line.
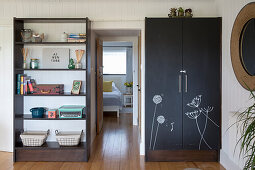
55 58
76 87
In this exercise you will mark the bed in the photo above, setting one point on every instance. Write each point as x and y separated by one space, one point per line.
112 100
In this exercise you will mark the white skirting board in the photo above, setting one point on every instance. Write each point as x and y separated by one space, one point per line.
227 163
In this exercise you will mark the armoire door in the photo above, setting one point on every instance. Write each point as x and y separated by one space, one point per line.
202 83
163 91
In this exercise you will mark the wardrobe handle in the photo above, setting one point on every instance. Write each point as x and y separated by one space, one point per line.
186 83
180 83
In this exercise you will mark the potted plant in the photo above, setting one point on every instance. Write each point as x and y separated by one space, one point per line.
129 86
188 12
246 127
180 12
172 12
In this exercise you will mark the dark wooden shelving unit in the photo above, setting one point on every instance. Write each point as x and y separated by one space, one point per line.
65 94
44 152
29 117
50 43
50 151
51 145
21 69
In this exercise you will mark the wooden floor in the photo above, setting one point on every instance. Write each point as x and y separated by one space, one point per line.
116 148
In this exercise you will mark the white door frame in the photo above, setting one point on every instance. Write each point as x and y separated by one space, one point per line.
134 41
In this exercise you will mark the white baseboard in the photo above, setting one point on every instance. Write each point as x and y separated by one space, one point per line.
227 163
142 149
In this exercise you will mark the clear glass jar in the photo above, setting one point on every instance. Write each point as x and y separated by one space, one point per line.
34 63
26 35
78 66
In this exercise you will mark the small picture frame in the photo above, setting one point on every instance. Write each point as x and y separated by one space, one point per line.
76 87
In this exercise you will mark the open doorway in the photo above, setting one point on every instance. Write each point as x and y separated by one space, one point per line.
118 74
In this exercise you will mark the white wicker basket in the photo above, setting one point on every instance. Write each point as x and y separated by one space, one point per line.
68 138
34 138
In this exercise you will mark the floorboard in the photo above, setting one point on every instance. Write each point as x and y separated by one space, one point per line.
115 148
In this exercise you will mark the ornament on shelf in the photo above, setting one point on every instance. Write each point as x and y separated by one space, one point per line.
79 54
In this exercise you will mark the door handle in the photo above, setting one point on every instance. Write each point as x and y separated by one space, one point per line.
186 83
180 83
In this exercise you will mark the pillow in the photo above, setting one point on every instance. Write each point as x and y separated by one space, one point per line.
107 86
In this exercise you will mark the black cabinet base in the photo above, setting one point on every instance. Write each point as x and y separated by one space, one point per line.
52 155
182 155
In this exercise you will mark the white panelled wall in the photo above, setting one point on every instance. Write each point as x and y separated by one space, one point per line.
126 14
6 90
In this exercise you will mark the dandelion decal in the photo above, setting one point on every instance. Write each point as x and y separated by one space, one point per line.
196 113
172 128
160 120
157 99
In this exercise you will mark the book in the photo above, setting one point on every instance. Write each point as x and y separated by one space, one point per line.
21 84
30 86
26 78
18 83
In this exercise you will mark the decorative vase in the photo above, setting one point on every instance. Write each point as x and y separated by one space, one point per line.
71 64
129 90
78 66
25 65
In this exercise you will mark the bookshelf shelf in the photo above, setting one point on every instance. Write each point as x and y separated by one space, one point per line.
51 151
50 43
21 69
29 117
65 94
50 145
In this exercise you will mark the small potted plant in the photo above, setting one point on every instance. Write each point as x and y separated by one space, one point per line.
180 12
188 12
129 86
172 12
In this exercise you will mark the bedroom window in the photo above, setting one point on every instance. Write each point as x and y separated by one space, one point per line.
114 61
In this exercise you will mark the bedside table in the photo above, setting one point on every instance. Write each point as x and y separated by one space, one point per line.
128 100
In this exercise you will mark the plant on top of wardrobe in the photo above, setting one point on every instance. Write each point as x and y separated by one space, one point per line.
246 126
180 12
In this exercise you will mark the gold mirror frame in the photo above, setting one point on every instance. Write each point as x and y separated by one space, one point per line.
246 14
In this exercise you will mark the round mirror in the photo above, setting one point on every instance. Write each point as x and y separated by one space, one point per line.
242 46
247 47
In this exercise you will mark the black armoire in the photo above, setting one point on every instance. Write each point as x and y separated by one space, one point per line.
182 89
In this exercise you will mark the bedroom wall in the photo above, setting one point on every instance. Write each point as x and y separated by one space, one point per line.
119 80
113 14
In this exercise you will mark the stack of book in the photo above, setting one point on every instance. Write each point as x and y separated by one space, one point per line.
24 84
80 37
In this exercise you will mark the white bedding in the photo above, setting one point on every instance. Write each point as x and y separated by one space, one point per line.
113 98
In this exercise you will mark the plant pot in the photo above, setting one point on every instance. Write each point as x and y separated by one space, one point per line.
37 112
129 90
172 14
180 14
188 14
